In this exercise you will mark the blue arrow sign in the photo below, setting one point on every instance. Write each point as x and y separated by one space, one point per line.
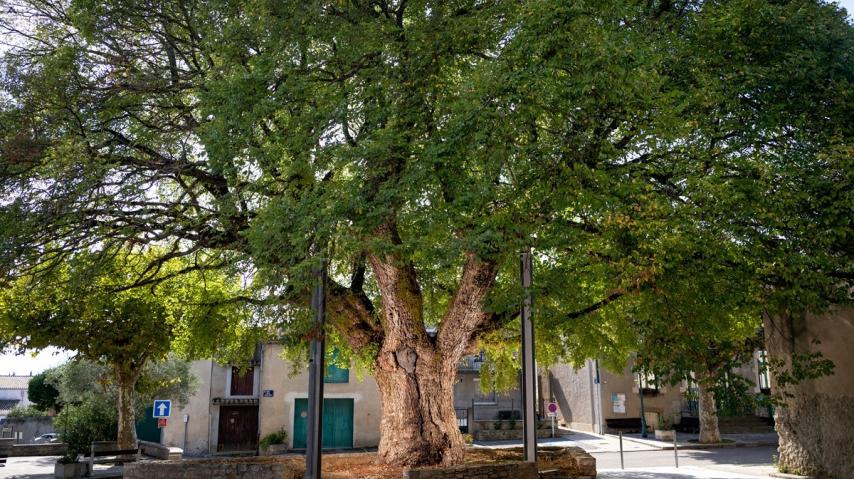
162 407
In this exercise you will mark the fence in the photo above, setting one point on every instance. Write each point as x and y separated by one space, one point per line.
463 419
499 409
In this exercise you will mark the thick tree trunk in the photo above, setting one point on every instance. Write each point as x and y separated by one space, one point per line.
127 424
709 431
416 372
813 418
419 424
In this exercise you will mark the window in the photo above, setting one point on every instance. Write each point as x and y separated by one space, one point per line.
334 374
648 383
242 381
764 377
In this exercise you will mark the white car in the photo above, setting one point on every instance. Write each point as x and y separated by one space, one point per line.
47 438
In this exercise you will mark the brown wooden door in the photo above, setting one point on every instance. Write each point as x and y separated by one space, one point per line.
238 428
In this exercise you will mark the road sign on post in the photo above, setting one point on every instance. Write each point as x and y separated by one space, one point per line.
162 422
162 408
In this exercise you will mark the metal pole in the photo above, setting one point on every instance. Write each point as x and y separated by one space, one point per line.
675 450
622 465
528 372
642 411
314 442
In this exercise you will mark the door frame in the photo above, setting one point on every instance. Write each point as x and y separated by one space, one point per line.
220 418
291 401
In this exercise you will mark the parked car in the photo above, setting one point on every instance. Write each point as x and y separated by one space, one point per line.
47 438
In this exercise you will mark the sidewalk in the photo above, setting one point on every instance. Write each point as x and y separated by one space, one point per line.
683 440
688 472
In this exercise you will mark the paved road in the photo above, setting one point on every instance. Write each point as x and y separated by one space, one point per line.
29 467
689 472
714 463
40 467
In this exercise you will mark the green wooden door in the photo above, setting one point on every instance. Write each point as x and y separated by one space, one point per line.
146 428
337 423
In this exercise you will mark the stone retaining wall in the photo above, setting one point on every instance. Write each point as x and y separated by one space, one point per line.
507 434
23 450
216 468
509 470
553 463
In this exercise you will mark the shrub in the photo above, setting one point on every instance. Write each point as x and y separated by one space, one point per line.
468 439
278 437
81 424
25 411
42 394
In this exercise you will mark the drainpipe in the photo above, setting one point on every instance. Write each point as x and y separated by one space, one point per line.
210 409
600 418
593 416
260 394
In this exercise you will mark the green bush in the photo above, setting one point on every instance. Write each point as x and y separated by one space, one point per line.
81 424
468 439
278 437
25 411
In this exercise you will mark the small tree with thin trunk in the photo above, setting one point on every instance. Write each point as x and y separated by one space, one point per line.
700 324
80 304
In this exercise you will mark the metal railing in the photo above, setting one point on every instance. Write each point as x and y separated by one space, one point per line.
470 363
499 409
463 419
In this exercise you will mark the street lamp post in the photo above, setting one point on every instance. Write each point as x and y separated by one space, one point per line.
317 352
528 368
642 412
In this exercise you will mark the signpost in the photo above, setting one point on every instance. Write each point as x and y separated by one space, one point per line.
162 408
552 413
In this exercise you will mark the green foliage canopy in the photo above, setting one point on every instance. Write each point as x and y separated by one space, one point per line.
619 139
41 393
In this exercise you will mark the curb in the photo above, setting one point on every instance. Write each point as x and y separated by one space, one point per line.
785 475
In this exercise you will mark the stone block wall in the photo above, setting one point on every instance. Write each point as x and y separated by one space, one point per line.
225 468
24 450
553 463
507 434
510 470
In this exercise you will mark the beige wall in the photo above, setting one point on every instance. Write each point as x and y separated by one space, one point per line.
199 416
573 391
277 412
667 403
582 402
